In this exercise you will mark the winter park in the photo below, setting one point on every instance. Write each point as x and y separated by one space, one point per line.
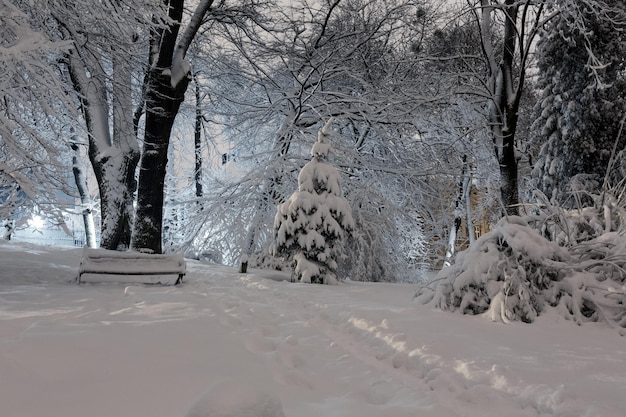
272 208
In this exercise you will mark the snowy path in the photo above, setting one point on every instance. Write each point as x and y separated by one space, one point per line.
351 350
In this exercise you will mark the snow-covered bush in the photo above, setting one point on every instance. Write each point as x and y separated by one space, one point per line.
505 273
310 224
574 261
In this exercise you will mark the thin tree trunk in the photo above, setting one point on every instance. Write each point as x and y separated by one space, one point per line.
85 199
509 103
197 139
458 217
468 208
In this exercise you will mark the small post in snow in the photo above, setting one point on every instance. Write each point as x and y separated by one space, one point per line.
243 268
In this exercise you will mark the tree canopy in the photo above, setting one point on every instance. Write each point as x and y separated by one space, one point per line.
429 106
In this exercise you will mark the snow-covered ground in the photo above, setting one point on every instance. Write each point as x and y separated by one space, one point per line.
230 345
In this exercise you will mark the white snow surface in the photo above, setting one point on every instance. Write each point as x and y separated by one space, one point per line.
226 344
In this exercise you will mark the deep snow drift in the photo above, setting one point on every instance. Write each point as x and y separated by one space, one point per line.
226 344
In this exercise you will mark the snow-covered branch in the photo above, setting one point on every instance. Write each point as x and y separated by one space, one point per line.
180 67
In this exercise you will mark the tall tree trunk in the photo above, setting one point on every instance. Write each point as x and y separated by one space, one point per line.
197 139
111 165
168 79
113 154
503 134
124 139
505 98
509 98
162 105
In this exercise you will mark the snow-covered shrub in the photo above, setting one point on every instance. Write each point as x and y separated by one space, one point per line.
311 223
516 271
604 214
505 273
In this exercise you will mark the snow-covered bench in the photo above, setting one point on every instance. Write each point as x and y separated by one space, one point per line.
101 265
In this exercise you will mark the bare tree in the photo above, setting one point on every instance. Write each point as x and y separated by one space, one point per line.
507 31
167 81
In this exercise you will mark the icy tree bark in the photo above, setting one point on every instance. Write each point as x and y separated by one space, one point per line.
100 69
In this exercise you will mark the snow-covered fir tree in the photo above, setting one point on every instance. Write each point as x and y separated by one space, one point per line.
581 56
311 223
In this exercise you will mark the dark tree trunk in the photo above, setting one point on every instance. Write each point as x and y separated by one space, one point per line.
504 107
508 175
509 103
197 140
162 104
168 79
129 167
124 139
